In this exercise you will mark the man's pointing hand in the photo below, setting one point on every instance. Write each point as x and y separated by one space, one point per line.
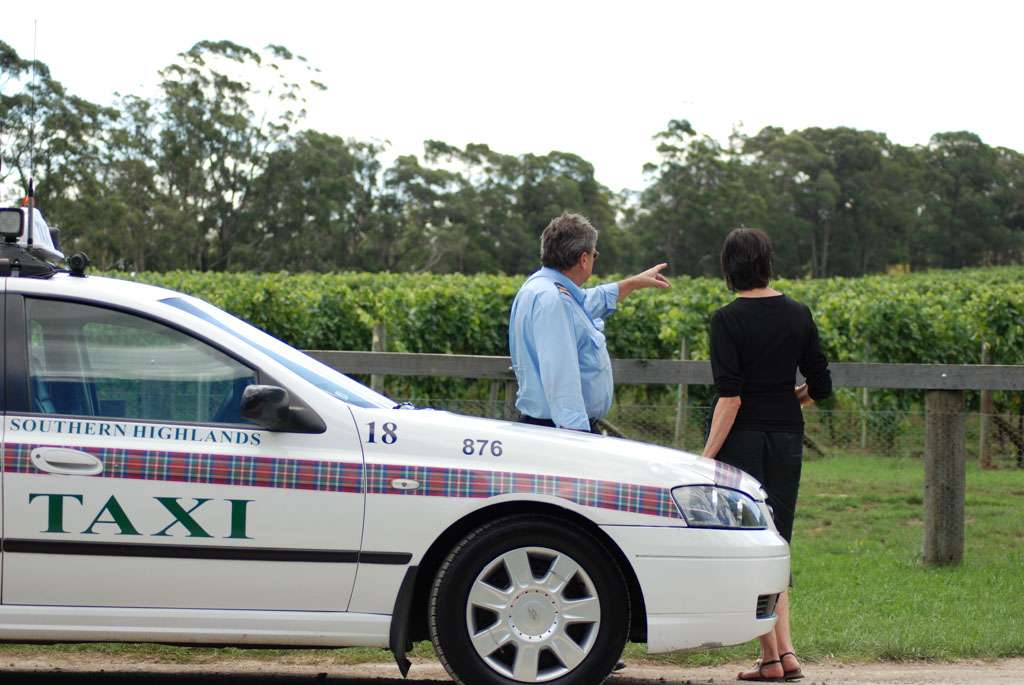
651 278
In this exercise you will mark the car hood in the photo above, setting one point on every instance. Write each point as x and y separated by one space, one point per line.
561 452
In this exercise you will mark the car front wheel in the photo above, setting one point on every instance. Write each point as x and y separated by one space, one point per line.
529 599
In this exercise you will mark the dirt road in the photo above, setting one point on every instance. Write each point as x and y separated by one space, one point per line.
78 669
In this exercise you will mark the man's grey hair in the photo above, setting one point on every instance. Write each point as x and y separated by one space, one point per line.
565 239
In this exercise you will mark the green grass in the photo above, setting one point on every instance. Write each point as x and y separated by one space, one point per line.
860 593
860 589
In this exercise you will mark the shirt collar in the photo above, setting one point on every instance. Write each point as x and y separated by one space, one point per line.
560 278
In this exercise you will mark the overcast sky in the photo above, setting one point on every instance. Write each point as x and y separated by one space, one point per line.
595 78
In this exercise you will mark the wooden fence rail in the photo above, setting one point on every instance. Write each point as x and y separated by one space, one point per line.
944 386
678 372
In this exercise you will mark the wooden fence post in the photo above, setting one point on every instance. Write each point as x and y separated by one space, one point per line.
987 409
682 402
865 404
510 399
379 344
492 401
944 477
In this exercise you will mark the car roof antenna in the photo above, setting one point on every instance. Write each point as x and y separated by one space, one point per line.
32 131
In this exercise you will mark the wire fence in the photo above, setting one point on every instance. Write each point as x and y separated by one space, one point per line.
828 432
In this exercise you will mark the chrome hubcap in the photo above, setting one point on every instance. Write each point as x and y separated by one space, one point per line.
533 614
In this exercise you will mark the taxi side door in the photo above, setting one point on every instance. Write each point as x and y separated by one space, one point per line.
131 480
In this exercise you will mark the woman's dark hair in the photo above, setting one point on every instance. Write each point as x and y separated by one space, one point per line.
747 258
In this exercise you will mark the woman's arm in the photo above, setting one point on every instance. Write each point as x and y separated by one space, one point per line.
814 366
721 424
728 375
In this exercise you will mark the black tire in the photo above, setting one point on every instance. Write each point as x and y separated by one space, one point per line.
484 548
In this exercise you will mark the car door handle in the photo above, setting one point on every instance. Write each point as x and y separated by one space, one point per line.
66 461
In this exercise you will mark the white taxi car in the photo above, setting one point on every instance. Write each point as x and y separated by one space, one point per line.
173 474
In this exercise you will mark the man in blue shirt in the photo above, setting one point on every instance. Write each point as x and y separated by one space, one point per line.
556 330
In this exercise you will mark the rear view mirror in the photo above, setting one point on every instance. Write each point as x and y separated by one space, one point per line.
11 223
270 407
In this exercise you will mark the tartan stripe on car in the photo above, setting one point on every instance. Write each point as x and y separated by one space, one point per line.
443 482
727 475
213 469
339 476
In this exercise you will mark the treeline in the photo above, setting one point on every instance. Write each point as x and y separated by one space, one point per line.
214 171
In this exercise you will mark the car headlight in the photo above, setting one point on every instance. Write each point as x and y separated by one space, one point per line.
711 506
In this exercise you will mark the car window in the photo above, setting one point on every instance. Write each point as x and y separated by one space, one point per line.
92 361
319 374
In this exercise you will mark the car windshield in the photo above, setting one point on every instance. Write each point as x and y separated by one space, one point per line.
319 374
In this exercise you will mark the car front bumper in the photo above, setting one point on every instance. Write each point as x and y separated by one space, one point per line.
701 587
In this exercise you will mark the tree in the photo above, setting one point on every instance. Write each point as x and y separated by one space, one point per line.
805 192
701 190
214 143
128 222
430 234
318 206
876 200
962 223
474 209
1009 199
51 135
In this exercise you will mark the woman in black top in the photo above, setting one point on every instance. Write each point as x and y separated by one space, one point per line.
757 343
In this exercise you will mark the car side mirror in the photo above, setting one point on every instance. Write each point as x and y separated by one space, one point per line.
270 407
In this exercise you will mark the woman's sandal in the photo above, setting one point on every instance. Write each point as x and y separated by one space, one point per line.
791 675
761 677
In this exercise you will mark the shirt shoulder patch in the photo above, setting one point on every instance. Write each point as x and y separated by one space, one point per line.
562 289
